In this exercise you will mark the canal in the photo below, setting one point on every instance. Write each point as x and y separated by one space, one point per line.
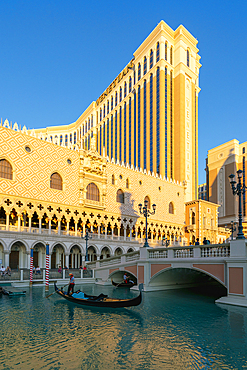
176 329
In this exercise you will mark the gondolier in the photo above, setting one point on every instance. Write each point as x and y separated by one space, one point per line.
71 283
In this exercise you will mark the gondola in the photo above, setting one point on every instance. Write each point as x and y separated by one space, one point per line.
101 300
11 291
122 284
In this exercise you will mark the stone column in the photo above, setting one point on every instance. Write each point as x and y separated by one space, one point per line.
67 227
6 258
49 226
67 260
19 223
124 232
29 223
59 227
76 223
7 221
98 232
105 232
40 226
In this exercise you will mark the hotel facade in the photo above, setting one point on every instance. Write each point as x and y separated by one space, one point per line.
137 142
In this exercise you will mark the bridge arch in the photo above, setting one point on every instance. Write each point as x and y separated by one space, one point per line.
179 277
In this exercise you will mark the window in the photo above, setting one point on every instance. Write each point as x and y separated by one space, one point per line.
92 192
243 151
113 180
139 71
166 51
6 169
108 108
151 59
127 184
61 139
157 52
145 66
75 137
100 115
188 58
112 103
147 202
115 99
125 89
120 196
56 181
66 139
130 84
70 138
171 51
104 111
120 94
171 208
193 218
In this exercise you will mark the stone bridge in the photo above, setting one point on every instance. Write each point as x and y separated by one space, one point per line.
180 267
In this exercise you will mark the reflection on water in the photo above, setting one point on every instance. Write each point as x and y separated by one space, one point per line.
180 329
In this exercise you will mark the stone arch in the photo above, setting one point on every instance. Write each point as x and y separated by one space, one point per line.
105 252
118 251
92 253
57 253
18 254
75 256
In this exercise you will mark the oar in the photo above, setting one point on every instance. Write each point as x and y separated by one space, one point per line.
119 283
55 291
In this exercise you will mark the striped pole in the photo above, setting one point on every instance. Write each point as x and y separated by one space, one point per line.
47 268
31 267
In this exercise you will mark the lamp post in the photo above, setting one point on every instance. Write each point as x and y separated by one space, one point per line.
232 228
146 213
86 237
238 189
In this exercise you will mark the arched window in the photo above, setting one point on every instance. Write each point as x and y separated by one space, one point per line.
92 192
188 58
145 66
75 137
157 52
166 51
193 218
139 71
112 103
147 202
56 181
125 89
130 84
151 59
113 180
66 140
115 99
120 196
6 169
120 94
171 208
70 138
61 139
127 184
100 115
171 51
104 111
108 108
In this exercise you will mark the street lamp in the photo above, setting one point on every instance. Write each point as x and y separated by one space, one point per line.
232 228
146 213
86 237
238 189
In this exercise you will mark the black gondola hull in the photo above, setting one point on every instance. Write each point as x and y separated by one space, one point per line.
104 302
123 285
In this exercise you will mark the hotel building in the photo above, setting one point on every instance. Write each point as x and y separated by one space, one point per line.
137 142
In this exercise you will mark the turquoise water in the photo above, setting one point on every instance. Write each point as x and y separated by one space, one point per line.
177 329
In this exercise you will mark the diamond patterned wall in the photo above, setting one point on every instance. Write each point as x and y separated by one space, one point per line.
32 171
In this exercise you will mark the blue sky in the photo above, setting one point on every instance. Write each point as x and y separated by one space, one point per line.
56 57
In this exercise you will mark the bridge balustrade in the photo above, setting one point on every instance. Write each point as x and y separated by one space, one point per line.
184 253
158 254
220 250
133 256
